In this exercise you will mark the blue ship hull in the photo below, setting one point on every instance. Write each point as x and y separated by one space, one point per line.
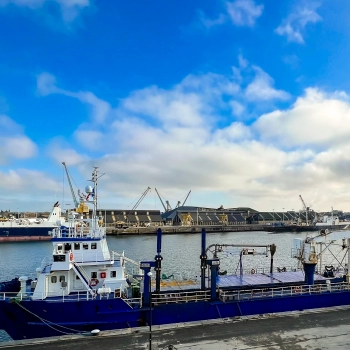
44 318
31 233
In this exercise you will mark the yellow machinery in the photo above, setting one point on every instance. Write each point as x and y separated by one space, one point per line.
223 218
186 219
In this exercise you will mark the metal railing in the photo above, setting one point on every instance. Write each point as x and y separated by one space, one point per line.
182 297
76 296
264 293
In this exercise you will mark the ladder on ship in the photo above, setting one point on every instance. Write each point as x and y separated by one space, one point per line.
83 277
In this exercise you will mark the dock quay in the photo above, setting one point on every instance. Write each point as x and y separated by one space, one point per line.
182 229
316 329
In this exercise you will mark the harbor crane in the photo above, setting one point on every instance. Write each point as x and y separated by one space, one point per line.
306 209
188 194
76 204
160 198
141 198
168 207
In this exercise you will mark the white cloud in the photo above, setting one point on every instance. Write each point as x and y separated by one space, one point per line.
60 151
244 12
209 23
315 120
70 9
28 190
293 26
90 139
237 108
46 85
185 137
14 144
261 88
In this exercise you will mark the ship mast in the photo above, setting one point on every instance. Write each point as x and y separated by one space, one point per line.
94 179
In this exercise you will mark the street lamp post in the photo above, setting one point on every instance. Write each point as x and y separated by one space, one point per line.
149 274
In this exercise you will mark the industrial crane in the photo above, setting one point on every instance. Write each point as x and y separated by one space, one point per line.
186 197
79 207
141 198
161 200
179 202
306 209
168 206
76 204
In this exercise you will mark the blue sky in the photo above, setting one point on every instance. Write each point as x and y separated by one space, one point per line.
244 102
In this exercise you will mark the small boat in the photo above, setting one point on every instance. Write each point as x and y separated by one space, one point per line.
85 287
24 229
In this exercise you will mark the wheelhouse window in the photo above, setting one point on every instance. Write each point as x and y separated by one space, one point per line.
59 258
67 247
94 274
85 246
93 245
53 279
113 274
59 248
76 246
62 278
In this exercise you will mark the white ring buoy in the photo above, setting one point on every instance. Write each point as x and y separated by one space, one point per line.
252 271
94 282
71 256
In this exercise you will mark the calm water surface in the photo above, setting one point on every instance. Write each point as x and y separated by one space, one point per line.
180 252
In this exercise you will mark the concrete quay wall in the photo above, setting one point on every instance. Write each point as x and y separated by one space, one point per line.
182 229
312 330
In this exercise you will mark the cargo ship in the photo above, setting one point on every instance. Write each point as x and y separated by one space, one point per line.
328 222
27 230
85 287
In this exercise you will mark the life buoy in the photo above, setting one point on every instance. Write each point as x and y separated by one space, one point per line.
103 274
94 282
71 256
252 271
297 289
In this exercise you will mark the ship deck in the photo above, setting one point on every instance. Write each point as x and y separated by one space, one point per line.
247 281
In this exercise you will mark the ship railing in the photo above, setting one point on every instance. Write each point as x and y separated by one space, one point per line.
122 258
297 290
182 297
76 296
283 268
265 270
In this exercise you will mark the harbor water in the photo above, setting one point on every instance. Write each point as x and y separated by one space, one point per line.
180 253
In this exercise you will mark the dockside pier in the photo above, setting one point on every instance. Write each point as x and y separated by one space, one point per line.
182 229
312 330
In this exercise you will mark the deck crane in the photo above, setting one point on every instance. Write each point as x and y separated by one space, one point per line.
306 209
307 253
